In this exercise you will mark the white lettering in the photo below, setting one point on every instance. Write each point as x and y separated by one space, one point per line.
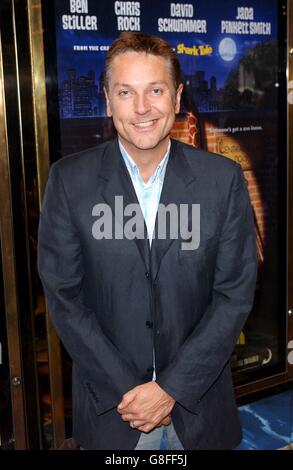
78 6
245 13
128 23
181 25
80 48
181 10
245 27
127 8
76 22
260 28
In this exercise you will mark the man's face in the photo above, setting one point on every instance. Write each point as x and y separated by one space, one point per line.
142 100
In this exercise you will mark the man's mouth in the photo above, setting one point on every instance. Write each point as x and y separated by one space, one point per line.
146 124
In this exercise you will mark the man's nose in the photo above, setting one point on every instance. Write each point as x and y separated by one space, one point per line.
141 103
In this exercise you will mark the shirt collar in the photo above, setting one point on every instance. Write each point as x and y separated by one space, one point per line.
133 168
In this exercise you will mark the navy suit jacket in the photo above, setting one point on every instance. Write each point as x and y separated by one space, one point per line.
113 300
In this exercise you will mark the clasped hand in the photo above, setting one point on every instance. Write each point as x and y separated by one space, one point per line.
146 407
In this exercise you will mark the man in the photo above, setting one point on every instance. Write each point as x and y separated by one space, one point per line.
150 321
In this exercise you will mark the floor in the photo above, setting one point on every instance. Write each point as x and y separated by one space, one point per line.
267 424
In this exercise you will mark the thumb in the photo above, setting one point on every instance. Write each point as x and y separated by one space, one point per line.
127 399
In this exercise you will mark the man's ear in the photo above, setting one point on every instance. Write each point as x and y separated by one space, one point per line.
178 98
108 106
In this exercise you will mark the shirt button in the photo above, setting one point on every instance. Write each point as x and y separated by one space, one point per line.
149 324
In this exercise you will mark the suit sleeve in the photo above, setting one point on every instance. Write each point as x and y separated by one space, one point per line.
61 269
207 350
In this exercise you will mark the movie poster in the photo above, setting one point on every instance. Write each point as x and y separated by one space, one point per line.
229 53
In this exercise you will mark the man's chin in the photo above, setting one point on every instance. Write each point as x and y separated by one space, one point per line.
147 144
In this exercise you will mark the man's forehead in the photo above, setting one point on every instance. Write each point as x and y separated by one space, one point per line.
135 55
125 65
127 69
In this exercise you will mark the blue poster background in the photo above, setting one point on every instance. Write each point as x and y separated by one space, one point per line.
81 53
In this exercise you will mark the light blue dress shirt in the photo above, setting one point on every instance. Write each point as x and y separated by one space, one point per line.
149 193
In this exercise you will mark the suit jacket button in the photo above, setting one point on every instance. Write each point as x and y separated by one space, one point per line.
147 275
149 324
150 369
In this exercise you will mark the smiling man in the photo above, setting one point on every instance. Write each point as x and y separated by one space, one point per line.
149 325
143 94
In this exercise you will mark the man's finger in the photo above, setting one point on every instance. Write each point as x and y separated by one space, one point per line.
131 417
137 423
127 399
166 421
147 427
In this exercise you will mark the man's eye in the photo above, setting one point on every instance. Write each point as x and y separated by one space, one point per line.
123 93
157 91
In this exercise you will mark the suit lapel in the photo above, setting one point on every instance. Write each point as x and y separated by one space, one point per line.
175 190
117 182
